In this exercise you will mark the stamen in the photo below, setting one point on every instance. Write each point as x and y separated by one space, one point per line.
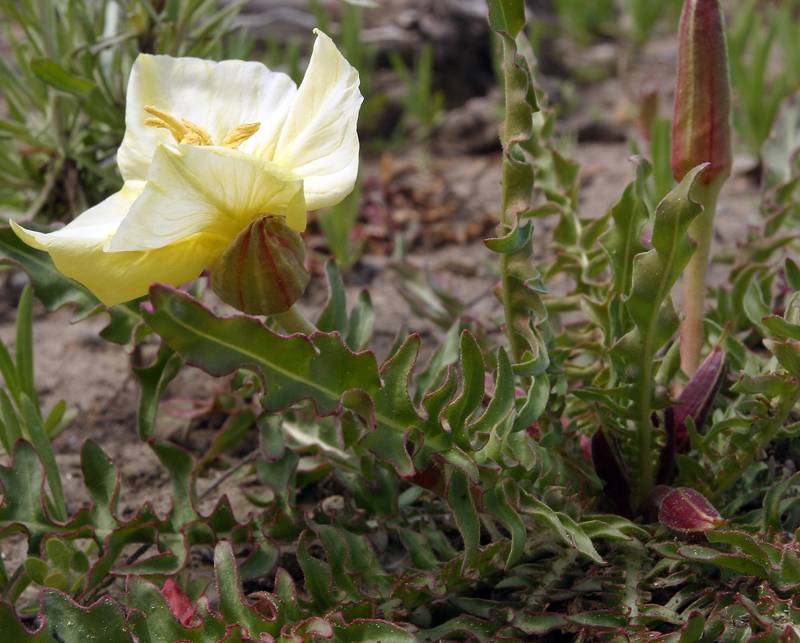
240 134
198 135
166 121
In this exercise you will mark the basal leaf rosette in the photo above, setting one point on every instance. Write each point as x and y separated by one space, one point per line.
208 149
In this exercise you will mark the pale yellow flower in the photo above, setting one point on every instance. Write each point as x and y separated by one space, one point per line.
208 147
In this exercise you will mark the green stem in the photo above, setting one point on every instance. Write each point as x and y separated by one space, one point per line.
508 219
694 277
645 477
294 321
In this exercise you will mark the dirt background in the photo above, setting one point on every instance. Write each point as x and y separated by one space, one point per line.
442 199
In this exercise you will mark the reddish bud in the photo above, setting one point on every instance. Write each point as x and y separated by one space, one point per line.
687 514
695 401
701 130
179 603
262 272
698 396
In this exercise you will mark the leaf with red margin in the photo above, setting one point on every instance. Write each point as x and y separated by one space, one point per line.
68 622
320 368
150 617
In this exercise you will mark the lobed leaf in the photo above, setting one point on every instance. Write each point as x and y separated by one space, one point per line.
292 368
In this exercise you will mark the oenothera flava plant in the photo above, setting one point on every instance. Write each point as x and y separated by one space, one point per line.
210 151
513 462
701 133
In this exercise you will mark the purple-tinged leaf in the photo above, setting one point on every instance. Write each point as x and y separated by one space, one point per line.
652 506
666 458
14 631
256 617
179 603
291 368
610 469
394 412
464 627
539 622
369 630
600 619
68 622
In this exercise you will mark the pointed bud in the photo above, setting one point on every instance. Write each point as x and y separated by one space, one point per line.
687 514
701 130
261 272
698 396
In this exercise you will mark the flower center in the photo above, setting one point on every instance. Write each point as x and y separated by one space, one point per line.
186 132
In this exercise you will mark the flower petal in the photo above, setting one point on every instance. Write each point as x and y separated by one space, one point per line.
97 224
215 96
319 141
115 277
211 190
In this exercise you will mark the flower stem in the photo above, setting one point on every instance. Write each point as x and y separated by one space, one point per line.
694 277
508 219
294 321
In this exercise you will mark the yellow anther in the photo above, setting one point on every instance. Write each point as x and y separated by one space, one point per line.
166 121
197 136
184 131
240 134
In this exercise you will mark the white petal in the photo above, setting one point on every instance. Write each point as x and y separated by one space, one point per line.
215 96
213 190
114 277
319 141
97 224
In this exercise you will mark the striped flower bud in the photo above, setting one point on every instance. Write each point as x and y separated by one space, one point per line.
687 514
701 130
261 272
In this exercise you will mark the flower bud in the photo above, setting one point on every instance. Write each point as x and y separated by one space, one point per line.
261 272
701 130
697 398
687 514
